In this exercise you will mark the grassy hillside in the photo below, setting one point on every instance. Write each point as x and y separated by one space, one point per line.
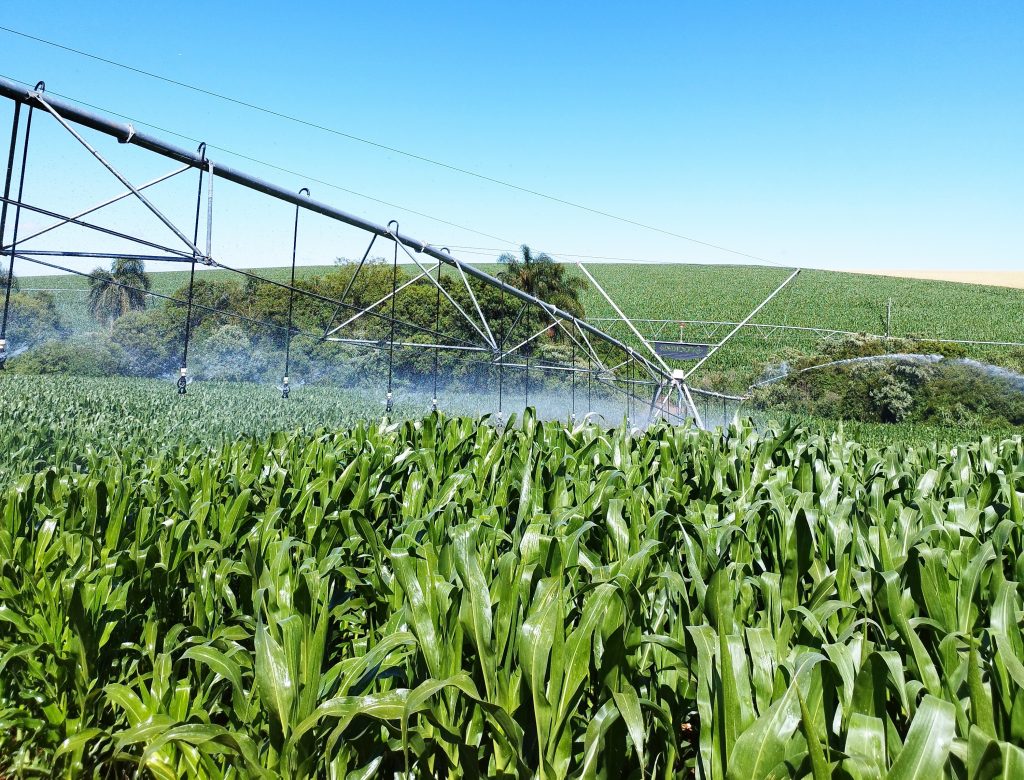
823 299
826 299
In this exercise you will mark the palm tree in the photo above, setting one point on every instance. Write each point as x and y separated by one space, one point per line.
540 276
117 291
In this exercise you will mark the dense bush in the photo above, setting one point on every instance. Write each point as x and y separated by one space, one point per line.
885 382
85 355
32 319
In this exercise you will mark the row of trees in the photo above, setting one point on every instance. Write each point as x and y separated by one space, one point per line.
239 327
124 288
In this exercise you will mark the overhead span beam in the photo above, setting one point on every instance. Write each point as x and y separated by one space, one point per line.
127 134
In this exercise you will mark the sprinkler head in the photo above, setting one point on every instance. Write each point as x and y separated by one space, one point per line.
389 405
3 353
433 405
183 381
286 389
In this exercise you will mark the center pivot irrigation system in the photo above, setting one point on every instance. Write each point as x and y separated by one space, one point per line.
641 379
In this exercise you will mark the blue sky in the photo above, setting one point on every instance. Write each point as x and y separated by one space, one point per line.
838 135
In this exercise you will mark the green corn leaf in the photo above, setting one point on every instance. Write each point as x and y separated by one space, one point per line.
865 746
926 748
274 677
762 746
819 766
628 704
980 696
219 663
343 710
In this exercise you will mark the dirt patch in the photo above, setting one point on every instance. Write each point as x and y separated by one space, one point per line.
991 278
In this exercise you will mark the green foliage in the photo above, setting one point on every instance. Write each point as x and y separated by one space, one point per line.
149 341
894 389
115 292
226 347
229 355
442 598
85 356
540 276
33 318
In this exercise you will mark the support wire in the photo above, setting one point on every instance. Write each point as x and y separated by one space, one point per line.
183 371
3 228
285 390
17 221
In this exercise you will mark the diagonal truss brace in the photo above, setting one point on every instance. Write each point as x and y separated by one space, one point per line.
625 319
120 177
93 209
740 325
488 339
329 335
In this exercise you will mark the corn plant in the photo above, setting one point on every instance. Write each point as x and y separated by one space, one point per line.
444 598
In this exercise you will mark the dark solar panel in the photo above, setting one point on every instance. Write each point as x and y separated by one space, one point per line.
680 350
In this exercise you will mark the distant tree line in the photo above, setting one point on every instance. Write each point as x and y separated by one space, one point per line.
239 325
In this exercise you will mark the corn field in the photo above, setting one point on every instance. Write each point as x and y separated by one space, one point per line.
442 598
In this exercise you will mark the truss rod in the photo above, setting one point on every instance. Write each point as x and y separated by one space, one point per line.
127 134
325 299
9 281
91 226
522 344
616 388
170 298
348 287
104 204
99 255
693 407
722 396
369 309
479 311
592 352
383 343
118 175
736 330
535 367
487 339
625 319
561 325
